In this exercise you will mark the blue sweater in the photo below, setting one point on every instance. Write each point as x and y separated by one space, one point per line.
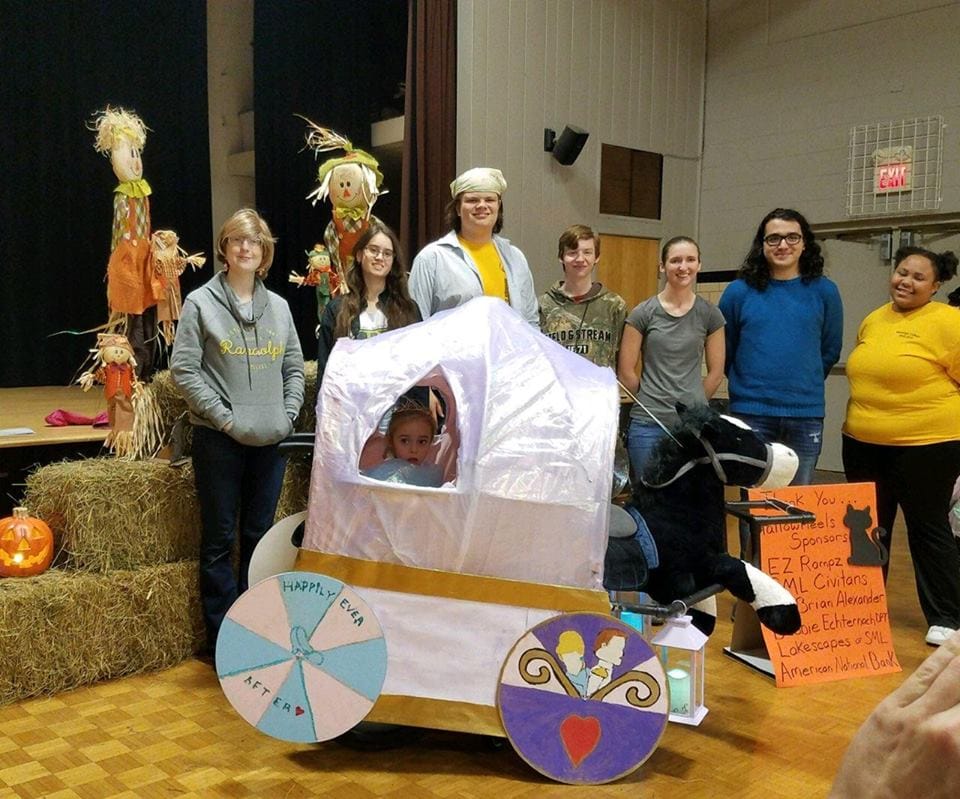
781 343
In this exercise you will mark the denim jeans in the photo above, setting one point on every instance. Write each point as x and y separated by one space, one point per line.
642 438
238 487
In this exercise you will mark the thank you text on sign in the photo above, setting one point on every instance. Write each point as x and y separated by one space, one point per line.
833 568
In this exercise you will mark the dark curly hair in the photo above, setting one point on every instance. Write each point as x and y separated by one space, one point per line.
944 263
756 271
395 301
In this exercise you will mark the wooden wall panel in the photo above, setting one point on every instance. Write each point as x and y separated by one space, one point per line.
628 266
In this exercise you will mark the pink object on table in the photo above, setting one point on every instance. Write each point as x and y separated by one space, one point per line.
62 418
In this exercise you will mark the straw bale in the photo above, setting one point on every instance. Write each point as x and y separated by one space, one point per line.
296 486
170 404
64 628
110 514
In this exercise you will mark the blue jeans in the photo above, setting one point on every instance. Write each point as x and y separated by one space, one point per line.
803 434
642 438
238 487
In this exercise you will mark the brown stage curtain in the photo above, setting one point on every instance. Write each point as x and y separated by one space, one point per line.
430 125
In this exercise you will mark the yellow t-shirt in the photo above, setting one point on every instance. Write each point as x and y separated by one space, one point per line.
904 375
487 260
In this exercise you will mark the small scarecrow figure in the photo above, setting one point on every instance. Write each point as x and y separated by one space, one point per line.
320 275
121 135
352 182
168 261
113 366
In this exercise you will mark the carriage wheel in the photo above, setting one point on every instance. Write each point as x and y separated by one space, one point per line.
301 657
590 726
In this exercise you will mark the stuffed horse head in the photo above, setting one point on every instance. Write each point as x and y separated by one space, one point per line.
679 547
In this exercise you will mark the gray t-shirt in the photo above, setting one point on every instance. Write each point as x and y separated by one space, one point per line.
672 353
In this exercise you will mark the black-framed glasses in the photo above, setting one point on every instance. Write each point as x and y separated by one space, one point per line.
774 239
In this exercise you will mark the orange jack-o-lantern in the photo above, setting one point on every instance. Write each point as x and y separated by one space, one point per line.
26 545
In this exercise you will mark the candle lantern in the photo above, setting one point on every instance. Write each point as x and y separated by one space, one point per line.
682 649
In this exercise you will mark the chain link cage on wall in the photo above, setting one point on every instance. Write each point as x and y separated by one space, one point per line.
895 167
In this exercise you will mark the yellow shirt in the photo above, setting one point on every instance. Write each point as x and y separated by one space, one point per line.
904 375
487 260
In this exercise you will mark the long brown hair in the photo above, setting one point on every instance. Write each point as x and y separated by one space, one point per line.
395 301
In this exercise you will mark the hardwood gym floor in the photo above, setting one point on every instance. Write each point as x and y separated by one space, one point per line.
173 734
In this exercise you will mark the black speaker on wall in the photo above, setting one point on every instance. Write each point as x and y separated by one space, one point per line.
567 147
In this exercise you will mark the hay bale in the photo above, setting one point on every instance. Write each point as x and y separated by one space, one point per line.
166 396
110 514
113 514
63 629
296 486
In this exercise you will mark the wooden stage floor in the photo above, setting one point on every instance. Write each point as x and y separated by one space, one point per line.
173 734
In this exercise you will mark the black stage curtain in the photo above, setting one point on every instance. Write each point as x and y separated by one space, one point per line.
430 127
59 62
330 61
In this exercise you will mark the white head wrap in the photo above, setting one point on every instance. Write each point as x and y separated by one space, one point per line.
480 178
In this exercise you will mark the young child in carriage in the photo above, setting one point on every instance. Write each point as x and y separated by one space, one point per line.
409 438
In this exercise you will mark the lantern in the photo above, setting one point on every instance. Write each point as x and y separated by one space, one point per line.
681 648
26 545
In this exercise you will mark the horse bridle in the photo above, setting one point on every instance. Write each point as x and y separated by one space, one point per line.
716 459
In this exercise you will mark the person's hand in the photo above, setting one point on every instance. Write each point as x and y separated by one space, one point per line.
910 744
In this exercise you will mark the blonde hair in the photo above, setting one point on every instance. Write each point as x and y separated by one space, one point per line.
247 222
569 641
116 125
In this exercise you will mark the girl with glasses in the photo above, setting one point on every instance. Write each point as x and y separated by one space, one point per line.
238 364
378 299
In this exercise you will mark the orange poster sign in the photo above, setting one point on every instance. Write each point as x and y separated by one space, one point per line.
832 567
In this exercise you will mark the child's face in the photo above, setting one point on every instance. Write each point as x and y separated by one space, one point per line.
410 440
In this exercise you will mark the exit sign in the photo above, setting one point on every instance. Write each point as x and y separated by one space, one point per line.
892 169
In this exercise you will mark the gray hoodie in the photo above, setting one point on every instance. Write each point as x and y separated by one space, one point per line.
234 367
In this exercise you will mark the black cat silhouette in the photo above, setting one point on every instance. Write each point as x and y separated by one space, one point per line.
866 548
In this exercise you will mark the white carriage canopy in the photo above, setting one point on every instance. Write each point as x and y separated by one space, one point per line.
526 448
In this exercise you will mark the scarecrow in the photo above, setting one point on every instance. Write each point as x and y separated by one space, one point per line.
352 182
121 135
319 275
113 366
168 261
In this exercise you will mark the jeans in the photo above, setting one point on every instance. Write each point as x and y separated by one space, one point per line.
804 435
238 487
920 480
642 438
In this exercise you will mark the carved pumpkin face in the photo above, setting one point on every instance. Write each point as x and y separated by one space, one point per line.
26 545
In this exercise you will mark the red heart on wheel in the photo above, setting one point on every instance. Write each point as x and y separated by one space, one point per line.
298 710
580 736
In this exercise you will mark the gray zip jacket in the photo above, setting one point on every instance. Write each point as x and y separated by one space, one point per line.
234 368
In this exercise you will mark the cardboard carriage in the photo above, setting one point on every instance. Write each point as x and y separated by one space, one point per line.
515 535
